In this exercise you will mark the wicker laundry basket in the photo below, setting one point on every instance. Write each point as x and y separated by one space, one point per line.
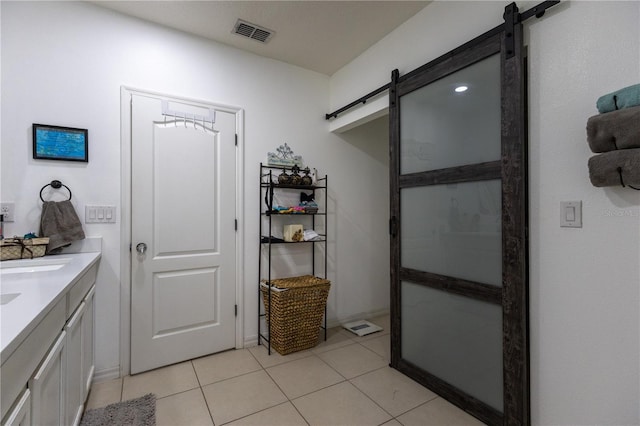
21 248
297 308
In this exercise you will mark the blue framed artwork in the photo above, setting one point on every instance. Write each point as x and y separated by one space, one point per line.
60 143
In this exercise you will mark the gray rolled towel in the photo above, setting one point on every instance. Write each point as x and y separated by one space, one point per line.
614 130
59 221
606 169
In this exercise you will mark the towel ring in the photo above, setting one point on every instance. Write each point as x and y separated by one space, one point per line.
56 184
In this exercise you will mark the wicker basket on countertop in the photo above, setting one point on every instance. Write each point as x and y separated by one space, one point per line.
297 308
22 248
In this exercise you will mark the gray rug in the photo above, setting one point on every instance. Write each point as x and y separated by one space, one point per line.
134 412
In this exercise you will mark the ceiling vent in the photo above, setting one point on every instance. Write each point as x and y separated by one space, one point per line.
252 31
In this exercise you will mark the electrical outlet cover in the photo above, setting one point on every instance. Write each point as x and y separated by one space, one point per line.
8 210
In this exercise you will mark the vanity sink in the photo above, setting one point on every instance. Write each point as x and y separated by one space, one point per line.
23 266
6 298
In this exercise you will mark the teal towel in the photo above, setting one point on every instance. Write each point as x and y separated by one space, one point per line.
623 98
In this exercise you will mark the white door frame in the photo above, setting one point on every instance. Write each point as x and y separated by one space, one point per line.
125 218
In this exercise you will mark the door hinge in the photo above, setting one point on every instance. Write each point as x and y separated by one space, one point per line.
236 224
236 139
129 247
236 310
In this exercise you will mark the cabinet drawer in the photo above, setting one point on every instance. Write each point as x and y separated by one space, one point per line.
80 289
47 386
17 370
20 415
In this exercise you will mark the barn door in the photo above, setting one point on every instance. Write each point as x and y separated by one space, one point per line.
458 224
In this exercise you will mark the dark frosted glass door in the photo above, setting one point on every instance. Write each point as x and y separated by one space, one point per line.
458 251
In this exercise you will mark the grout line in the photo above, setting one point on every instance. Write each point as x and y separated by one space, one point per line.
318 390
371 371
298 411
372 351
196 373
372 400
206 403
230 378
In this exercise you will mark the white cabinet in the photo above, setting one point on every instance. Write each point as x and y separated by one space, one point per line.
88 357
79 359
20 415
47 379
74 385
48 387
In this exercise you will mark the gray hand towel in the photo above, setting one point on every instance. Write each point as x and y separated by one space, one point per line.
614 130
61 224
603 168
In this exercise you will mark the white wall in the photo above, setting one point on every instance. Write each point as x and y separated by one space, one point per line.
64 63
584 283
361 202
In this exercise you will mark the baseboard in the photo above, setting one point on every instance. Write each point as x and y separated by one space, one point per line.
107 374
331 322
251 341
336 322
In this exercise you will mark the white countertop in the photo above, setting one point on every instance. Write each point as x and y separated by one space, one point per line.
39 292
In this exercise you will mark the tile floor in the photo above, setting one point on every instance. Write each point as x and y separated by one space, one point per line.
345 380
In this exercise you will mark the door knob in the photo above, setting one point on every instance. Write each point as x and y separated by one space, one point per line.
141 248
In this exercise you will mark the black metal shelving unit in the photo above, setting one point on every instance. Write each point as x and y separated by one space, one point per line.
268 186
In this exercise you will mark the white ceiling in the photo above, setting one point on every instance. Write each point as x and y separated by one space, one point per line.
318 35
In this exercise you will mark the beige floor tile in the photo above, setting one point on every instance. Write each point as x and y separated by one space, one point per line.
392 390
383 321
262 355
238 397
104 393
353 360
438 412
300 377
162 382
280 415
341 404
225 365
337 337
392 422
186 408
380 345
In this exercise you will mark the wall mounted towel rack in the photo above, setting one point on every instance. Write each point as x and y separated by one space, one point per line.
56 184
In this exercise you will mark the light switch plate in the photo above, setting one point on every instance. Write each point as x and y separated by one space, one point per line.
571 214
99 214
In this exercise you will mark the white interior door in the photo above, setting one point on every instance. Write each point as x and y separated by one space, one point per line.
183 210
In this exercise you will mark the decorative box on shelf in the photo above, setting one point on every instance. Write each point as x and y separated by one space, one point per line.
293 233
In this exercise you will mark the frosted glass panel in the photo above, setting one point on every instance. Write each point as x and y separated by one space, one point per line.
456 339
453 230
442 128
